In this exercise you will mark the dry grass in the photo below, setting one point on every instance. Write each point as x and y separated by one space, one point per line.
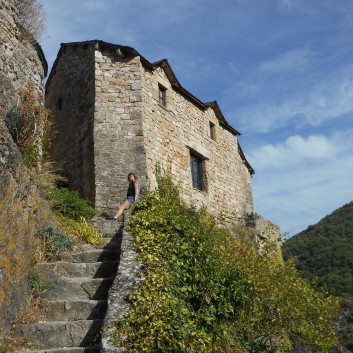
32 18
16 344
36 309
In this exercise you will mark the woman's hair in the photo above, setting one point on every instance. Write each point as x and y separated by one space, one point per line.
135 176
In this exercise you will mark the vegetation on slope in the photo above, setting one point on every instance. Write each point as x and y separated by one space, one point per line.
325 251
205 291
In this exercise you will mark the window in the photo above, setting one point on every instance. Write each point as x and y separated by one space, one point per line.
59 104
162 91
197 171
212 131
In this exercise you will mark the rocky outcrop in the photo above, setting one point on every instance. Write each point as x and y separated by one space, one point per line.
16 229
21 61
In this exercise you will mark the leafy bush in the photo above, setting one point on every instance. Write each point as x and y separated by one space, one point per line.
36 284
55 242
14 121
29 125
81 229
69 203
204 291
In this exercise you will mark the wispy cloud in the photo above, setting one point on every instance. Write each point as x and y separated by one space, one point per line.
293 150
316 100
301 180
293 61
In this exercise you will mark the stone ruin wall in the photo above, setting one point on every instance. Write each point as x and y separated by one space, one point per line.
19 63
170 133
70 95
21 60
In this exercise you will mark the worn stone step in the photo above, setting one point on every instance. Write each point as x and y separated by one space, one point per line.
79 288
58 334
72 310
110 243
76 269
107 227
96 255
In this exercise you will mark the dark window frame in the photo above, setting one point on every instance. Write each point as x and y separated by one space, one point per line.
212 131
162 95
198 171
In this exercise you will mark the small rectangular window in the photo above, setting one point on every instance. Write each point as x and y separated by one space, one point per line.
198 175
162 91
212 131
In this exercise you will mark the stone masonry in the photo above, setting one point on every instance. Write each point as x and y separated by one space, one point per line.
21 61
110 121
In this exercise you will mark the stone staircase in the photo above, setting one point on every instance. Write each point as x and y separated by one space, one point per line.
77 301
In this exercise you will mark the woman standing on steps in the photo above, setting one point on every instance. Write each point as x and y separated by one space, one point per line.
131 197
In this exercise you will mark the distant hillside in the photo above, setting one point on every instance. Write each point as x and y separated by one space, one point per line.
325 251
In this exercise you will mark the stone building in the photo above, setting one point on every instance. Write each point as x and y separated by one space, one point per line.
116 112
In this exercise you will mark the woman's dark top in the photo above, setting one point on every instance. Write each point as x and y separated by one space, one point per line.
131 188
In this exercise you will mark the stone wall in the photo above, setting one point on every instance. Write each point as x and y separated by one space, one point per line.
128 130
182 126
20 61
70 95
118 135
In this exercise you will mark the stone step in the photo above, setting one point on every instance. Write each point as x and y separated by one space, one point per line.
58 334
107 227
79 288
93 349
110 243
96 255
73 310
90 269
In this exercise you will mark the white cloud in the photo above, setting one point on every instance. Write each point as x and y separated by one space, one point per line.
293 150
297 60
326 99
295 195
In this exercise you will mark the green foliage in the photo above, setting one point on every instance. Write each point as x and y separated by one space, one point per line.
36 284
29 125
14 121
204 291
55 242
80 229
325 251
69 203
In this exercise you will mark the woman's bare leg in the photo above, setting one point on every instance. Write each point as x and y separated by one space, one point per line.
121 208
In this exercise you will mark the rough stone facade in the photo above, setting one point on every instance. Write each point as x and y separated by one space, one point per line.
20 61
110 120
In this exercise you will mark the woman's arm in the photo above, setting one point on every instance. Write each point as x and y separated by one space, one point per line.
136 188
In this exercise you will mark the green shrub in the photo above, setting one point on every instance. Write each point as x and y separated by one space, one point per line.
204 291
69 203
14 122
55 242
36 284
80 229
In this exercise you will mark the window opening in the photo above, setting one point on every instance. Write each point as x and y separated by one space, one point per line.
162 95
212 131
197 171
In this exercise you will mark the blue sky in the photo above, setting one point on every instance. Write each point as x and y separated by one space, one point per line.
280 70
